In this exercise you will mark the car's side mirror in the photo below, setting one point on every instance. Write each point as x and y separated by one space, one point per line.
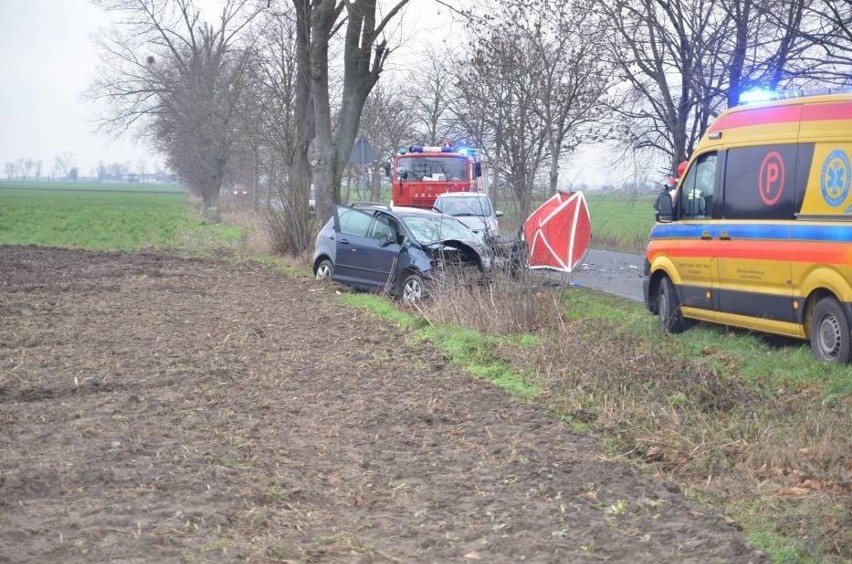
664 209
477 169
402 175
498 213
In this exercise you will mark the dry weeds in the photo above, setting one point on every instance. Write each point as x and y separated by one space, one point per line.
719 436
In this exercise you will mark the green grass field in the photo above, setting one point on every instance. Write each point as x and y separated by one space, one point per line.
90 186
107 220
620 221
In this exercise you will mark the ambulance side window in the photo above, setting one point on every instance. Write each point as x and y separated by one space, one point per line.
696 192
760 182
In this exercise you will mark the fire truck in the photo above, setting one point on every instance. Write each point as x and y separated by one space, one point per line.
421 173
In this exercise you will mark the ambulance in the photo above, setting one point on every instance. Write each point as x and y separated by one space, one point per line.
758 233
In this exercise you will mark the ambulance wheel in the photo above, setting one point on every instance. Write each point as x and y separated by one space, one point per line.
830 334
668 306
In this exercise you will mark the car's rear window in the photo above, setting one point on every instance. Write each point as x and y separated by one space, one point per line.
464 205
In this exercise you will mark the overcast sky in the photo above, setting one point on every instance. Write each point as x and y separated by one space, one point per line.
48 60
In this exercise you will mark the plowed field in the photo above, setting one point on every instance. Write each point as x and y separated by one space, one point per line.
157 409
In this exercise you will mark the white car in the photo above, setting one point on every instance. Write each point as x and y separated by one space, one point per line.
474 209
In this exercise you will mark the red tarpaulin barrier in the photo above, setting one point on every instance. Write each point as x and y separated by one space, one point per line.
558 233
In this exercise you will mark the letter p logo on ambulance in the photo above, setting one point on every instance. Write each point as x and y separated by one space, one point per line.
772 177
835 178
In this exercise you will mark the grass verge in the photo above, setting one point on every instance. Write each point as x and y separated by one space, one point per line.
742 421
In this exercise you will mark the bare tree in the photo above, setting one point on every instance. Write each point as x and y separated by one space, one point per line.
63 164
572 79
827 26
181 79
683 61
534 81
762 42
387 121
364 58
657 47
272 133
432 84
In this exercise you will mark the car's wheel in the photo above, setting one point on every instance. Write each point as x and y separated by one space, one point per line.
668 304
830 333
324 270
413 288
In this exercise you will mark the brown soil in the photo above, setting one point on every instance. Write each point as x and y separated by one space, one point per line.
155 408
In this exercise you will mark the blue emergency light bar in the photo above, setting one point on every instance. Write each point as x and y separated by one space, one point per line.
465 151
760 94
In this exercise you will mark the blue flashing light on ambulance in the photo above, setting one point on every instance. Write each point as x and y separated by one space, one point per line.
758 233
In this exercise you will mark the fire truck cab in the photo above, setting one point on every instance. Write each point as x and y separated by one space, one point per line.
420 173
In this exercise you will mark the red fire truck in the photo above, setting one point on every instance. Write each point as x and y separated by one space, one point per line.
421 173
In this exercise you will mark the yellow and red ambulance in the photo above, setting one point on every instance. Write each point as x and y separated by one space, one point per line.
758 234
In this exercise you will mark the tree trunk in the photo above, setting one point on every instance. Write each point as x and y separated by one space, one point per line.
326 191
300 172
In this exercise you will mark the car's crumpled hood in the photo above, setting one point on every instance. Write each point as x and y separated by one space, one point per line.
473 248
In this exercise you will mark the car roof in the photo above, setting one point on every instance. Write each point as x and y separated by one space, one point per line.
395 210
404 210
463 195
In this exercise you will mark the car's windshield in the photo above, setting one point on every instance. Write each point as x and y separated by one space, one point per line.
434 168
430 228
464 205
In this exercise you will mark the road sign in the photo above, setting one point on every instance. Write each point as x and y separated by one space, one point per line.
363 152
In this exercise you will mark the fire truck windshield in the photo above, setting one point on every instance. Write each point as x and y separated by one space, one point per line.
422 167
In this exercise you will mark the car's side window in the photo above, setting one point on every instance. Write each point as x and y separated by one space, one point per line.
381 228
384 225
354 222
696 192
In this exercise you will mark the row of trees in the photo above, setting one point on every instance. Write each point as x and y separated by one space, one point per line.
274 93
33 169
64 168
253 80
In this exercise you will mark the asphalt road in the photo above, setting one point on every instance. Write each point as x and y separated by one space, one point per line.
609 271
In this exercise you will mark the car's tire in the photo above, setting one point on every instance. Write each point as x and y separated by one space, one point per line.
668 306
413 288
324 270
830 332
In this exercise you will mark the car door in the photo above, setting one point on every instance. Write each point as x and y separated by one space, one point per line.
755 231
381 256
352 229
365 253
695 233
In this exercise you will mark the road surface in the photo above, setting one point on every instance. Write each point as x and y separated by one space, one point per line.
609 271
